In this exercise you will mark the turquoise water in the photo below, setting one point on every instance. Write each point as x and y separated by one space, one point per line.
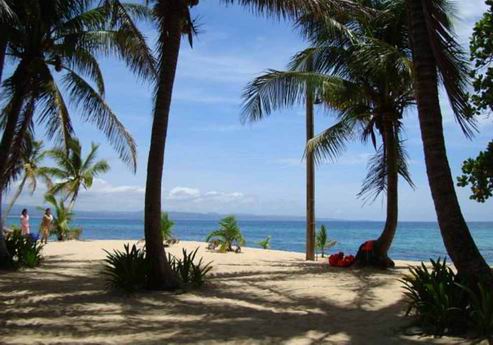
414 240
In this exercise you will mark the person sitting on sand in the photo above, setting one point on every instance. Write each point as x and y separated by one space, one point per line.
45 225
24 219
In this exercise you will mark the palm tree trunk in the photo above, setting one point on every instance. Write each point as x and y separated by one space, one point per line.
15 197
4 253
387 236
161 276
310 180
3 47
13 111
456 236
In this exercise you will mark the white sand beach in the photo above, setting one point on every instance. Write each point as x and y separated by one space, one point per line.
256 297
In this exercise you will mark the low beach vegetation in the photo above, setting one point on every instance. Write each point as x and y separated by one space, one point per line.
167 227
228 237
129 270
265 243
322 241
25 251
444 303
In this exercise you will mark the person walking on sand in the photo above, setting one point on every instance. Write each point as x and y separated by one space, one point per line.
46 225
24 219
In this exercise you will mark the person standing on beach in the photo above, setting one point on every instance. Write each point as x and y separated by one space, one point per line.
46 225
24 219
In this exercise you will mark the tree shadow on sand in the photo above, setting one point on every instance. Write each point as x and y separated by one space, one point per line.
64 302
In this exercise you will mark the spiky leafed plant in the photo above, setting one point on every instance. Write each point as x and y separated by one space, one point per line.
361 69
32 170
438 58
228 234
73 171
174 20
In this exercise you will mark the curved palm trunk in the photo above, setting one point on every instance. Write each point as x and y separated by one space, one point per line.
161 276
456 236
3 47
14 198
9 131
387 236
310 181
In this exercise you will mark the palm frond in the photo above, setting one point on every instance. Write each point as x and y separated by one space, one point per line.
276 90
96 111
54 113
450 60
331 142
293 9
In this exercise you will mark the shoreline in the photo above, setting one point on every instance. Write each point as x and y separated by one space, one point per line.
112 242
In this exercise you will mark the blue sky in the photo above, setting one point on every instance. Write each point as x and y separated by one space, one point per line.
215 164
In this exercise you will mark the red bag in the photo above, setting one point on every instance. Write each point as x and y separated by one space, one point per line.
339 260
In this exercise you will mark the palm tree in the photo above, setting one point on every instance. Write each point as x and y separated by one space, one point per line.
369 97
227 235
73 171
166 226
7 15
31 161
62 219
174 20
257 105
323 241
63 36
437 53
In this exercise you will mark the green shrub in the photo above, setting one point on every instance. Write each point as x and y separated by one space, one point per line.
435 298
444 304
73 234
25 251
480 309
322 241
265 243
126 270
228 235
166 226
190 274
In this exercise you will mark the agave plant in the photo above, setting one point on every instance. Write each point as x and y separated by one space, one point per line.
228 234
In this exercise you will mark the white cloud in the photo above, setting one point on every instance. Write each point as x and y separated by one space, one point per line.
101 186
183 193
193 200
196 196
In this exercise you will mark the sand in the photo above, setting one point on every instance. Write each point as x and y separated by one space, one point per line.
256 297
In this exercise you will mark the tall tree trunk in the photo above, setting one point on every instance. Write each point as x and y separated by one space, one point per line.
310 181
161 276
456 236
12 113
3 47
387 236
14 198
4 253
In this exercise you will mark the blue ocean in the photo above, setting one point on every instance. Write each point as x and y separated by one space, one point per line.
413 241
